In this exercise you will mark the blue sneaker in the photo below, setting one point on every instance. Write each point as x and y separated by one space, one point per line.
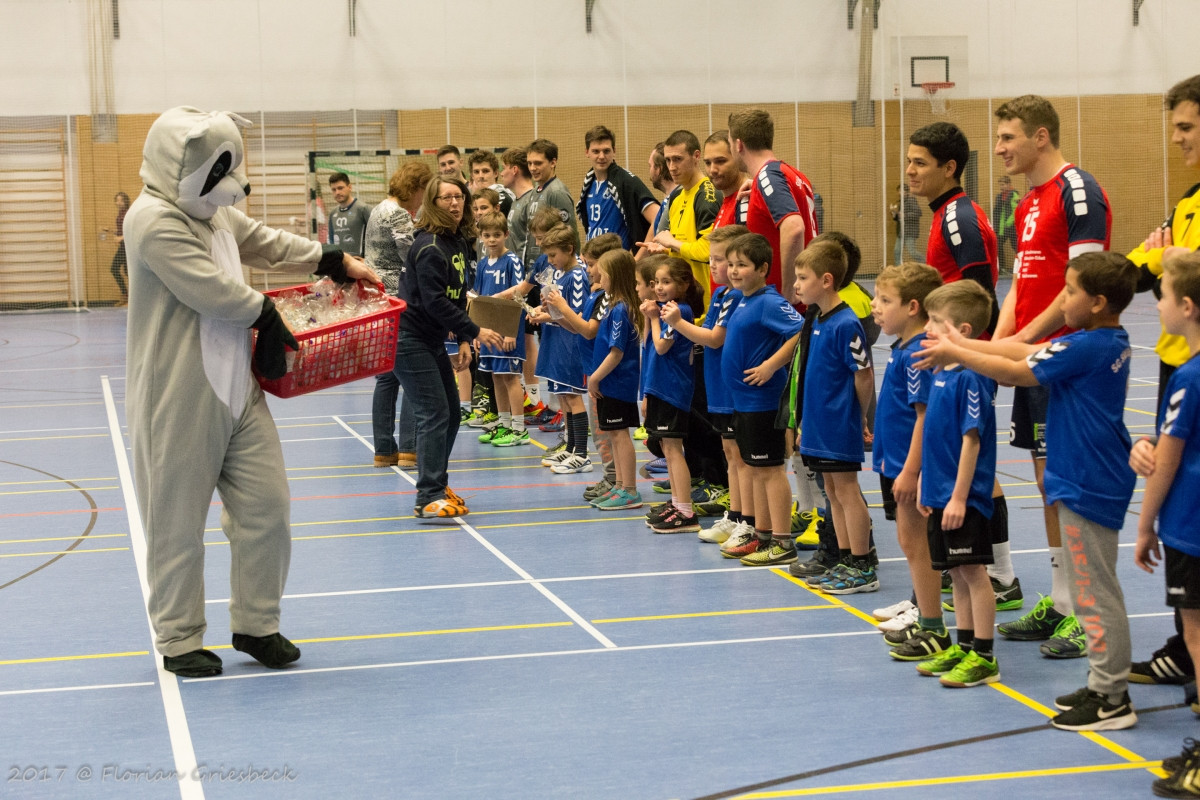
850 581
658 465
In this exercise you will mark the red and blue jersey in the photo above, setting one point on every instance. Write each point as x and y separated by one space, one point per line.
1065 216
961 240
777 192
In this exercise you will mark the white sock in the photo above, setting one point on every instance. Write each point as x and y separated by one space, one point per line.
506 419
808 494
1060 586
533 392
1002 568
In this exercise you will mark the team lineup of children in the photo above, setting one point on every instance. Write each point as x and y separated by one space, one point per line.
624 319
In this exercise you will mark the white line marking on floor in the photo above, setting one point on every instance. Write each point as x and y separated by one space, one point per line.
75 688
177 725
508 562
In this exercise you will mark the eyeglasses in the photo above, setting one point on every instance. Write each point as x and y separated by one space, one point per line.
451 198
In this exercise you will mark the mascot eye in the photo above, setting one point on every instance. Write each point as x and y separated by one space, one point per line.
220 169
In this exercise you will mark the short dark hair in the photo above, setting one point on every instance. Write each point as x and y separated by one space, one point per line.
448 148
515 157
544 146
599 134
718 137
685 138
599 245
1035 112
1109 274
754 127
487 193
849 247
962 301
1186 91
339 177
945 141
492 221
484 157
824 258
755 247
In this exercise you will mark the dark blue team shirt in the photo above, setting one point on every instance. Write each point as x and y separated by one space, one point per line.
1087 444
960 401
558 356
617 330
594 308
903 386
669 376
756 329
1179 517
832 423
716 388
604 216
493 277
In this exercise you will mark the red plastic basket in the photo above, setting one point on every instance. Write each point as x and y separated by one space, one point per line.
335 354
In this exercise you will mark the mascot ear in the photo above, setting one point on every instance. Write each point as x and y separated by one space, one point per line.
214 182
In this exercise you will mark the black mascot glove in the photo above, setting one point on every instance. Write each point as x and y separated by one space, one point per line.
331 264
273 335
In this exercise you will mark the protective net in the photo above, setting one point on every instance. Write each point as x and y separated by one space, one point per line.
842 116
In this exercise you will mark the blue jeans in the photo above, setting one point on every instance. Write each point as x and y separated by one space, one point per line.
425 375
910 249
383 418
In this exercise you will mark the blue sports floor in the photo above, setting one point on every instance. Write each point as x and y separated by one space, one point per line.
539 649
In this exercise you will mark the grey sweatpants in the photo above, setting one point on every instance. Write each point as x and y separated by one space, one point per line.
1091 550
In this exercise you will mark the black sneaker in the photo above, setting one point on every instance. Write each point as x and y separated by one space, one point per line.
658 513
821 562
677 521
1163 667
1173 764
947 584
921 646
896 638
1040 623
1093 712
1184 779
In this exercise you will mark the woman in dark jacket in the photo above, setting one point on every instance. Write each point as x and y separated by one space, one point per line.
434 284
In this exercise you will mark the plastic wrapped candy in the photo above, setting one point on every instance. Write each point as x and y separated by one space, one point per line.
328 303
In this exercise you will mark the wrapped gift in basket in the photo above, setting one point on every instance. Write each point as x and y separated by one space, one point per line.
345 333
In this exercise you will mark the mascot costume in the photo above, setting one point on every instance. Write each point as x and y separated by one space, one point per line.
198 421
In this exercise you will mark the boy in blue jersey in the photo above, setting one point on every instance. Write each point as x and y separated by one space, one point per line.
958 467
760 337
899 311
838 386
712 334
499 270
559 358
1087 478
1172 467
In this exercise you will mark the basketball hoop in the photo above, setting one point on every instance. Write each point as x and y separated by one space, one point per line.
936 104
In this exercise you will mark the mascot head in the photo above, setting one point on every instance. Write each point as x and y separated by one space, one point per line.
191 159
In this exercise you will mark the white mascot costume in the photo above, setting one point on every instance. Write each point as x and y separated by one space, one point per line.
197 419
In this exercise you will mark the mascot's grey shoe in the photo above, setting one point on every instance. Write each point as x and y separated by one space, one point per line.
272 651
196 664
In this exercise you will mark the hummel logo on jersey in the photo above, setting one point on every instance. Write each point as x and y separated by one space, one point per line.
959 551
660 427
972 404
914 380
757 457
858 352
1046 353
939 383
613 421
1173 404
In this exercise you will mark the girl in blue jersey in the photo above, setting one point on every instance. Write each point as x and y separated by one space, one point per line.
669 382
614 368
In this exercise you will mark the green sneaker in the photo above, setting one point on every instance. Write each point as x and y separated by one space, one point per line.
972 671
510 438
490 435
1040 623
1068 641
943 662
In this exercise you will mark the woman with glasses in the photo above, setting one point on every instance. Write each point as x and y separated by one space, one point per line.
434 285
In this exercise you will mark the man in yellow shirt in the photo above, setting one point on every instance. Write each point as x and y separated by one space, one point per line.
692 208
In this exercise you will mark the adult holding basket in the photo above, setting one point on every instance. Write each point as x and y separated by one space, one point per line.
434 284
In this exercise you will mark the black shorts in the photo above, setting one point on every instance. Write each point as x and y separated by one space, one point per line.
1028 427
614 415
885 491
759 442
723 424
1183 578
969 544
665 420
818 464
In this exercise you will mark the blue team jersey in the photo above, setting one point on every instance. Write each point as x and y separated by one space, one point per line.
558 356
669 376
960 401
1179 517
716 388
832 423
618 331
756 329
604 215
595 307
1087 444
493 277
903 386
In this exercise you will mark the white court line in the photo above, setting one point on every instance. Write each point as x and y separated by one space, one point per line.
545 654
75 688
508 562
177 725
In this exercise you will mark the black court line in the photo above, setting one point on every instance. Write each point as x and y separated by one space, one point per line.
95 514
863 762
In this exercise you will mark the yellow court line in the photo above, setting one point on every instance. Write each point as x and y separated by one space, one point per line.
404 634
949 780
58 480
90 656
715 614
59 491
833 600
65 538
67 552
1139 411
